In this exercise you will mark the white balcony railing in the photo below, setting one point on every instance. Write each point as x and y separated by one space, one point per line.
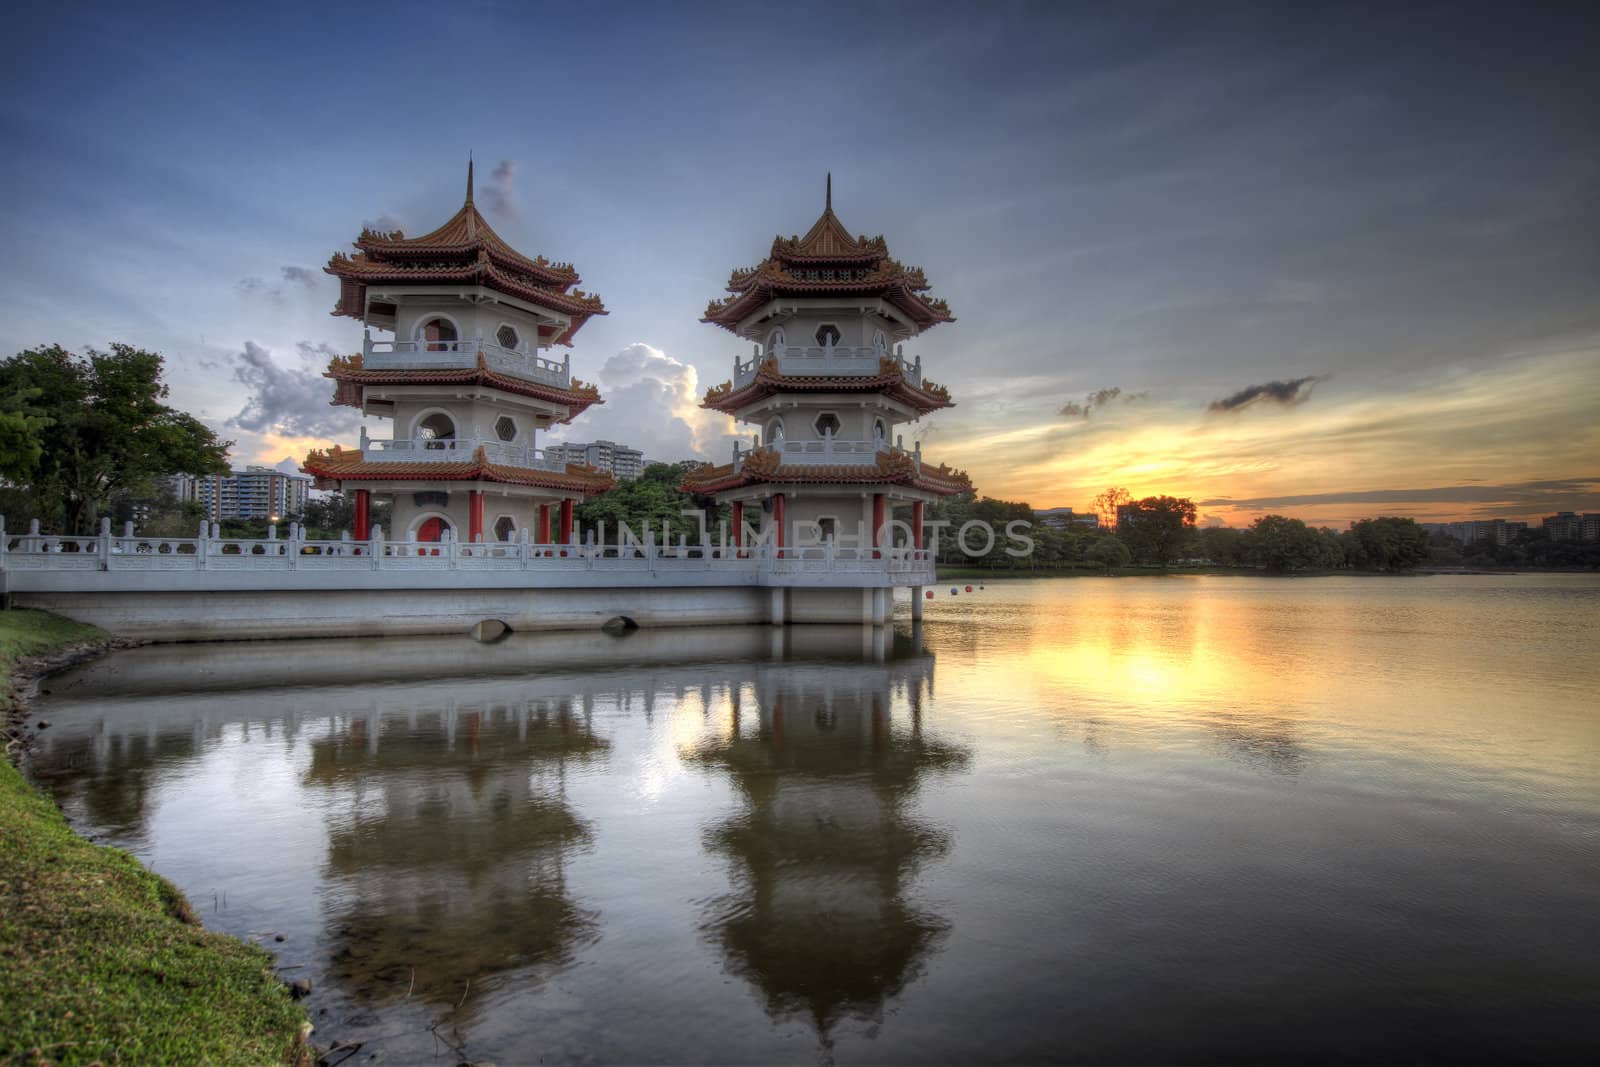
827 450
459 450
826 361
684 563
454 355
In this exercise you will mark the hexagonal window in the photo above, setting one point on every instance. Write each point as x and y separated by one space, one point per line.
828 334
827 424
507 336
505 528
505 428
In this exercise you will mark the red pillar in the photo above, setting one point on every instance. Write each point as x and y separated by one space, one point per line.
878 531
916 524
566 521
777 516
474 515
363 528
544 524
738 524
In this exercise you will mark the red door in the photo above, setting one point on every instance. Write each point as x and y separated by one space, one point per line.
432 530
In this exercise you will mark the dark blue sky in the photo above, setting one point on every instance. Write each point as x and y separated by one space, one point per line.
1179 200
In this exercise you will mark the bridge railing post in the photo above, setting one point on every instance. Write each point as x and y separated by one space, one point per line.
104 547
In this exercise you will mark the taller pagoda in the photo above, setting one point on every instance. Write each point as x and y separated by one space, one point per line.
826 387
467 381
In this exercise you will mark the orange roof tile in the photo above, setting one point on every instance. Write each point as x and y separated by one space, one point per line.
339 464
765 466
890 381
465 250
828 261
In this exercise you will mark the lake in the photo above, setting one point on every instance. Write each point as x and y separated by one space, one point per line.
1098 820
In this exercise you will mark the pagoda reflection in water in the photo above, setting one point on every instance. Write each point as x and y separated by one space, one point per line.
820 919
449 831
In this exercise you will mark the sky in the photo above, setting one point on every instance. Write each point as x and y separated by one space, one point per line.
1329 261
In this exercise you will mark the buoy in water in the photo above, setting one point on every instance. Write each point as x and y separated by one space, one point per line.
969 588
954 590
930 594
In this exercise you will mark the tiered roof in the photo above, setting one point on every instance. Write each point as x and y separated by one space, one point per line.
827 261
352 378
333 465
766 466
890 381
464 251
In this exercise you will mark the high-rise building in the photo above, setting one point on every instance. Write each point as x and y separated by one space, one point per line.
1066 518
1570 526
1499 531
253 493
622 462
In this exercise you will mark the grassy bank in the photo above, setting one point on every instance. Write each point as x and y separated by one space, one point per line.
99 958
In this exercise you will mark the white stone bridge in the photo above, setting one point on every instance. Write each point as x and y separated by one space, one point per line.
213 588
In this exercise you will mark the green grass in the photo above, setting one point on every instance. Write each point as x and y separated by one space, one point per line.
99 958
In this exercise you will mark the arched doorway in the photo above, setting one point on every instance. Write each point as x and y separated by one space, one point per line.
432 529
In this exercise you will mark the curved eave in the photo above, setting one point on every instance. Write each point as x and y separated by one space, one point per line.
578 306
897 469
560 276
763 386
729 315
341 465
352 380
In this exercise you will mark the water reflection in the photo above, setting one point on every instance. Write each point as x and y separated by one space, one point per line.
818 918
449 829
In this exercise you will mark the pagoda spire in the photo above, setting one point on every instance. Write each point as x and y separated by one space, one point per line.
827 204
469 177
471 210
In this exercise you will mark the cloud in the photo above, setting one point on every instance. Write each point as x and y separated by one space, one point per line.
256 286
1286 393
1098 399
289 402
1552 494
498 191
384 223
652 402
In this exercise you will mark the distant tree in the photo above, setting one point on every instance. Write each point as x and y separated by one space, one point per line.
330 515
1107 503
1282 545
653 501
100 428
1108 552
1221 545
1157 528
21 435
1387 543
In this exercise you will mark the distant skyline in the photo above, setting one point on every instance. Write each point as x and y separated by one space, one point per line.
1326 261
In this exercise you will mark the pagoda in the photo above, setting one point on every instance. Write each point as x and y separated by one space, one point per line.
468 381
826 386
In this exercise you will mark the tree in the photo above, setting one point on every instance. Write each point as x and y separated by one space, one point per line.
1222 545
1283 545
653 501
1107 503
1387 543
1108 552
1157 527
102 429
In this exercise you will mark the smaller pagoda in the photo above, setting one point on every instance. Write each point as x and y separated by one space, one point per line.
467 380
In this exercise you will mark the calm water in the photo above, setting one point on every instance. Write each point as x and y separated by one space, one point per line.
1199 819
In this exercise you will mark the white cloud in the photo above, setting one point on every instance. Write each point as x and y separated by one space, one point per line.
652 402
291 402
498 192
